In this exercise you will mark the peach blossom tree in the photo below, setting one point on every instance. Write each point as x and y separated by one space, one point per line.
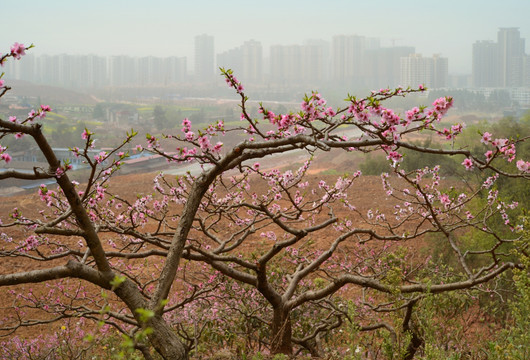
241 237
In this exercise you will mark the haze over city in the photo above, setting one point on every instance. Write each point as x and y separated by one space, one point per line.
168 28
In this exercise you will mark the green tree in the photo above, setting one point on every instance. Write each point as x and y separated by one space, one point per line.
99 112
159 117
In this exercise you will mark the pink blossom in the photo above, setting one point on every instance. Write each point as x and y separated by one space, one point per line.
486 138
1 83
6 157
447 133
100 157
186 125
46 108
331 112
75 151
523 166
468 163
217 147
13 119
508 152
444 199
394 156
499 142
204 142
412 113
85 134
457 128
443 104
190 135
18 50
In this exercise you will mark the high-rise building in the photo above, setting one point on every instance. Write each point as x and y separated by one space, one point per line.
246 61
383 66
123 70
440 73
231 59
315 61
252 61
175 70
348 58
526 71
512 53
500 64
416 70
299 64
204 58
486 64
285 64
92 71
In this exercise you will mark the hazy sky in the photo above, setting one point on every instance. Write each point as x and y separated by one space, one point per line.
167 27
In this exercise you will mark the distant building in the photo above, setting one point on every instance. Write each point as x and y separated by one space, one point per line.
502 63
246 61
231 59
315 61
286 64
161 71
299 64
512 53
416 70
252 53
526 71
486 64
383 66
123 70
204 58
175 69
347 56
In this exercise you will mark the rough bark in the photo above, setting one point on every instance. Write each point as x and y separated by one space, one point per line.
165 340
281 336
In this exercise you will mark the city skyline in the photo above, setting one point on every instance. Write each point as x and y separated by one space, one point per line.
353 61
165 28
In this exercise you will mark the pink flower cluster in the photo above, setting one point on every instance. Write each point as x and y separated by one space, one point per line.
395 157
202 140
412 114
3 155
232 81
442 105
452 132
523 166
505 147
468 163
18 50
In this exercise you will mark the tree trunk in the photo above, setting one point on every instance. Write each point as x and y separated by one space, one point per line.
281 332
415 343
165 340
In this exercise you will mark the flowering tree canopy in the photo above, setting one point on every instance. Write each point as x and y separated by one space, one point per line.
240 237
